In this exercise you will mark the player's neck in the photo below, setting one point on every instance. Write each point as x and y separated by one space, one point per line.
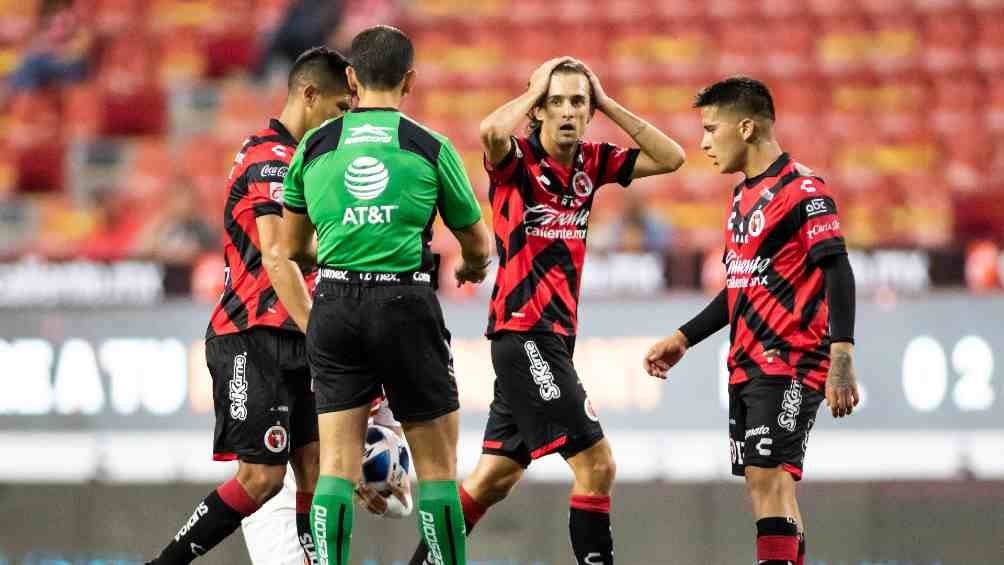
761 156
290 119
563 155
380 99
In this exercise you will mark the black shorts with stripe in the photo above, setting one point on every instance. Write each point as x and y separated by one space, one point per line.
540 406
261 391
769 423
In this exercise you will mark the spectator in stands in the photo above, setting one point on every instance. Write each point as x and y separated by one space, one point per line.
59 52
180 235
637 230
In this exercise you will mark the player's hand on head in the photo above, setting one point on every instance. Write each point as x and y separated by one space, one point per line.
598 92
666 353
541 77
842 394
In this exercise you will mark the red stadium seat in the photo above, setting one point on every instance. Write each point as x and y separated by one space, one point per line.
995 104
742 48
947 42
832 8
990 43
957 100
790 49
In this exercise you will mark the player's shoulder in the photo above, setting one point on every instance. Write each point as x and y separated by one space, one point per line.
805 182
268 145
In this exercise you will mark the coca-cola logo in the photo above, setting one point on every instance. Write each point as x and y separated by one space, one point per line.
274 171
544 215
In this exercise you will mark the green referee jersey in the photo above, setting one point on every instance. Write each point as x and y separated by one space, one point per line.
371 182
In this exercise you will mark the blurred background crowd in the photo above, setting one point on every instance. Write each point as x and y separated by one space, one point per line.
120 118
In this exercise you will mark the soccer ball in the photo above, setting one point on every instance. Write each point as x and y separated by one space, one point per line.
386 460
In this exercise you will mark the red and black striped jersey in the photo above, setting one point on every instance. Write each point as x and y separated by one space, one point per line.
540 215
254 189
780 225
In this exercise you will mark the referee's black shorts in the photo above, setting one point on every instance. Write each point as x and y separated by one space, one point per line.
376 333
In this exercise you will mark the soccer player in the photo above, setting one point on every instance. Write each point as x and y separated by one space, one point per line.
542 189
270 533
371 183
789 297
255 352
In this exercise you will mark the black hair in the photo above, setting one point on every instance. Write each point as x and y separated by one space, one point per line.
381 56
571 67
323 67
747 96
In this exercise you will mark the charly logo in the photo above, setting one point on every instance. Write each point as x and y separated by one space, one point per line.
541 372
239 388
791 405
366 178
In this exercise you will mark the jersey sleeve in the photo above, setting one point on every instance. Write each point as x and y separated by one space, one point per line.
615 164
265 182
502 172
456 202
818 223
292 185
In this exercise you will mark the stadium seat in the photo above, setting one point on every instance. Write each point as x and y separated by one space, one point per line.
741 48
790 50
897 45
947 42
989 46
843 45
182 56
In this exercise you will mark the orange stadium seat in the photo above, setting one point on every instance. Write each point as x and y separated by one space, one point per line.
182 55
844 45
19 18
897 45
112 17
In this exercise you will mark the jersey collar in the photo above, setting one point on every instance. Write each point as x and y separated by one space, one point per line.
374 109
540 153
284 136
772 171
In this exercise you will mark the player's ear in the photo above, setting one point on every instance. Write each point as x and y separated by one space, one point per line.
350 75
310 94
747 129
409 82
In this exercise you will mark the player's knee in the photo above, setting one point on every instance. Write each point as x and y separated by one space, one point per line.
604 470
261 482
764 483
496 486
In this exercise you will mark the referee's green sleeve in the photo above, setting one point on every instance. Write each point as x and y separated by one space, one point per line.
292 184
457 203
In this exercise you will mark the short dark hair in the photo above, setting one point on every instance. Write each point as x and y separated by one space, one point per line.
567 68
381 56
743 94
322 66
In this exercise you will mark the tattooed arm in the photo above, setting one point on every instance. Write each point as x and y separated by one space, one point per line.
841 385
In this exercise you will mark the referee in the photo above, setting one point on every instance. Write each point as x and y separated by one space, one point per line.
370 184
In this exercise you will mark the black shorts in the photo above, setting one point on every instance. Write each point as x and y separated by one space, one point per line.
769 423
364 340
261 390
540 406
